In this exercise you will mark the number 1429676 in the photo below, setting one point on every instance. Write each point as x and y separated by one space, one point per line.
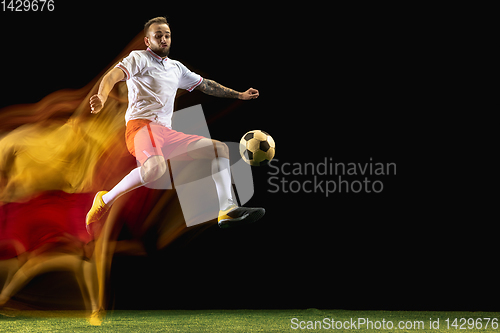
27 5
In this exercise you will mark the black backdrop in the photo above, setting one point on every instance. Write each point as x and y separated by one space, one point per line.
348 84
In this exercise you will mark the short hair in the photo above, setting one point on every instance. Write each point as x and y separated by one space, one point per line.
159 20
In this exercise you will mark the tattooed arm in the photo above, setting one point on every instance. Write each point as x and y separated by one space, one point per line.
213 88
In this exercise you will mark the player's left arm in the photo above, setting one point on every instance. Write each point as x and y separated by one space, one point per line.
213 88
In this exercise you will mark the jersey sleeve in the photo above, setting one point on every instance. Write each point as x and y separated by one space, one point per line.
130 65
189 80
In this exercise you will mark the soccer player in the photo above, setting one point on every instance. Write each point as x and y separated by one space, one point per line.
152 81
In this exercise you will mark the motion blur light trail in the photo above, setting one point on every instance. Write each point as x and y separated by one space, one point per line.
54 156
56 144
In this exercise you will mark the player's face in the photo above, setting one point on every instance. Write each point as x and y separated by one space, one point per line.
158 39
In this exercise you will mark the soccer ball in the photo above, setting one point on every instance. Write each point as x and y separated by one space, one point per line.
257 147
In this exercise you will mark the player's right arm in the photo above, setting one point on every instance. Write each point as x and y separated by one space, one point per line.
108 82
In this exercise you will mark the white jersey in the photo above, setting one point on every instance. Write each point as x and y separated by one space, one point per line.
152 83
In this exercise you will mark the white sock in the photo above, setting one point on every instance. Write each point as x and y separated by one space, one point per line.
130 182
221 174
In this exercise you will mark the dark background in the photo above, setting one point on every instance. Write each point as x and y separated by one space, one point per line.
346 83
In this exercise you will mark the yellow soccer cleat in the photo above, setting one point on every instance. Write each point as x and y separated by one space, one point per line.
96 317
96 212
236 216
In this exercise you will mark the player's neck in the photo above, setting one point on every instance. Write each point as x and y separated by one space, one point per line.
156 54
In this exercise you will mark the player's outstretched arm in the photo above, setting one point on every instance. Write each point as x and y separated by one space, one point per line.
213 88
108 82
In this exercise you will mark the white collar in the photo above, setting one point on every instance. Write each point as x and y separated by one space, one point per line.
157 57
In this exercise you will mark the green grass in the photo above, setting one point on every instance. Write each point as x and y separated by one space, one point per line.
234 321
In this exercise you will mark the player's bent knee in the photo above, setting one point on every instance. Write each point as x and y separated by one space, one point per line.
153 169
222 149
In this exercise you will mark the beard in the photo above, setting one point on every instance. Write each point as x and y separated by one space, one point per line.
161 51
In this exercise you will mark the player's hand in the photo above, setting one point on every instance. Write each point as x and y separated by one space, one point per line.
249 94
96 103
